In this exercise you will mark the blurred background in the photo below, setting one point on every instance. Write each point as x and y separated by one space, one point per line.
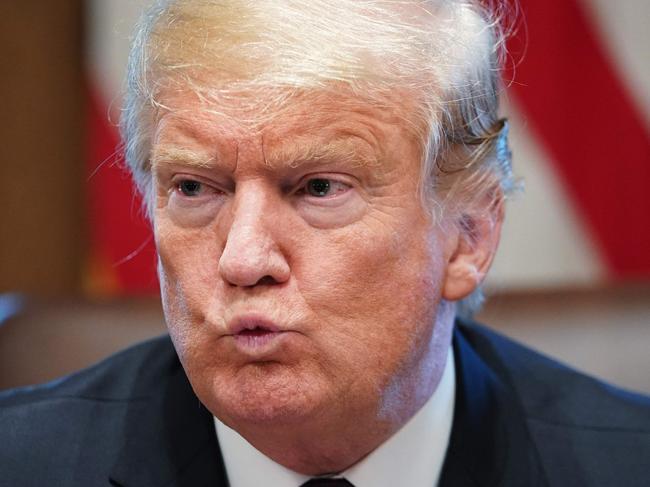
572 277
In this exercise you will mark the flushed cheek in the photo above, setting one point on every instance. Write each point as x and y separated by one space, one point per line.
189 256
372 294
351 270
187 276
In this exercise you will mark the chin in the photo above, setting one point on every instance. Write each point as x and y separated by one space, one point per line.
269 394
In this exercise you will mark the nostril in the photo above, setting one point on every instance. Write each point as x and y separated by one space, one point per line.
266 281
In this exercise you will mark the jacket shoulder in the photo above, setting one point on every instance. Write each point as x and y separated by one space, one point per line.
586 431
112 379
554 392
67 427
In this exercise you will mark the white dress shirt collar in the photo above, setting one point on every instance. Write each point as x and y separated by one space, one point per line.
413 456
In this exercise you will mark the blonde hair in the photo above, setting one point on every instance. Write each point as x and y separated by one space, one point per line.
445 53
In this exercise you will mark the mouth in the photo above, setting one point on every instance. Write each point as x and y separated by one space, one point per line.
253 333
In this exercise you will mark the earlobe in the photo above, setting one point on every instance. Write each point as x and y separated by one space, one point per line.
477 241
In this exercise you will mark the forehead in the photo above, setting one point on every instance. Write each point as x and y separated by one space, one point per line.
305 127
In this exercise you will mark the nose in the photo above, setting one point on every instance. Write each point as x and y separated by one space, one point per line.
251 254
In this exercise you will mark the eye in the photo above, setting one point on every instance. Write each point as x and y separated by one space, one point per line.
329 200
323 187
318 187
189 187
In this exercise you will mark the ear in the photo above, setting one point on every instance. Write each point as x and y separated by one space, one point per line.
477 242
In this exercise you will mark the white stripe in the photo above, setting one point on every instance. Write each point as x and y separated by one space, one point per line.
625 33
544 243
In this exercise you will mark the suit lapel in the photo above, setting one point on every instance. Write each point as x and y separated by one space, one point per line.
489 444
169 439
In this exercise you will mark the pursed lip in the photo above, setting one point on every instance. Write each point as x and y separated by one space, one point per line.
252 323
256 336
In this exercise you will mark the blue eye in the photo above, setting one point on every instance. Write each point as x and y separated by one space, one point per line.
189 187
318 187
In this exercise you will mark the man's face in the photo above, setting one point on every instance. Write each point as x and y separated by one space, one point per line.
300 274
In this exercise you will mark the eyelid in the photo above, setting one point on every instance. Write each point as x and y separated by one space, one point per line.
206 183
334 177
331 201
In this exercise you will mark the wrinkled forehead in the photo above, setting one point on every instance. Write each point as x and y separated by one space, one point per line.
309 125
254 108
255 62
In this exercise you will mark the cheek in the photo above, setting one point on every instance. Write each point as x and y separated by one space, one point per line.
187 266
188 257
373 290
370 264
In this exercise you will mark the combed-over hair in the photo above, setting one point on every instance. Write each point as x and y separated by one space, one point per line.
445 54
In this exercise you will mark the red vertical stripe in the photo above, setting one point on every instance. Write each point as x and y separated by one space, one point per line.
584 115
120 235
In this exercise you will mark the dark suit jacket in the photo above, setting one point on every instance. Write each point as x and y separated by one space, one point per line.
133 420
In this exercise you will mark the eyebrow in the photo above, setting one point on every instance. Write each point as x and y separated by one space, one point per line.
342 150
295 155
180 155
